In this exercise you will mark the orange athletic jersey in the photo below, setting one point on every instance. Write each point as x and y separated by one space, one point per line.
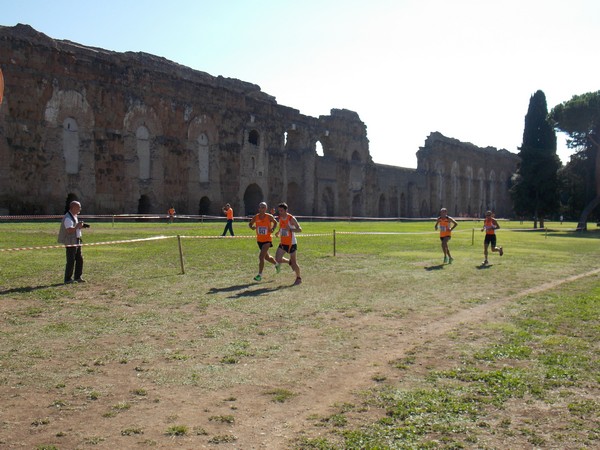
444 224
489 226
288 237
230 214
263 228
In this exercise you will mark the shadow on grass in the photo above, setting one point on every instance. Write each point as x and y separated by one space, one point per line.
587 234
438 267
260 291
24 290
246 292
238 287
484 266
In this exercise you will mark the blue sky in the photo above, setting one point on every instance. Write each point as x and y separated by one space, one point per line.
465 68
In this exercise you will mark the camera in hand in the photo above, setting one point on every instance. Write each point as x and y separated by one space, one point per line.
85 225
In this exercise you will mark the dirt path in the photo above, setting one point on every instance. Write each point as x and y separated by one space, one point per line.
272 426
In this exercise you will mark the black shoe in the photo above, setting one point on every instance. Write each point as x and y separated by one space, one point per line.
69 281
79 280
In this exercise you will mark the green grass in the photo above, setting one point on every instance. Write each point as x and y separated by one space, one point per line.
213 328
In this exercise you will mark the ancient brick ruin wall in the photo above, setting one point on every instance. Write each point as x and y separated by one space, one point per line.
466 179
131 132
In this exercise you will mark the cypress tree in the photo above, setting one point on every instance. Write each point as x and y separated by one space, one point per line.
535 185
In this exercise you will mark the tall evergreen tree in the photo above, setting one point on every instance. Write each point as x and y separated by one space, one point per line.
535 185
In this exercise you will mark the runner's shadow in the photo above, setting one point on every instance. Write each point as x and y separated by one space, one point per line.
23 290
484 266
259 291
438 267
238 287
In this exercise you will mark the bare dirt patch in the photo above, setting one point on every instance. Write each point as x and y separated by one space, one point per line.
131 390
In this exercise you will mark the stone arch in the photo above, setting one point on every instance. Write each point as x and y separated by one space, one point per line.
292 139
70 144
140 115
356 156
204 206
295 197
328 145
144 205
254 137
202 137
252 197
382 206
142 149
328 201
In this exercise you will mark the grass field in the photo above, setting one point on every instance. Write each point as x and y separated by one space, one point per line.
382 346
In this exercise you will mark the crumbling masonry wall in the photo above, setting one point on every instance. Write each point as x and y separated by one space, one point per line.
132 132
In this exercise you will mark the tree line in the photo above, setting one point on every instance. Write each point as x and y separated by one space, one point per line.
542 187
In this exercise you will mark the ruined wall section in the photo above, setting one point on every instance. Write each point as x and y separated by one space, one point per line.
131 132
466 179
345 141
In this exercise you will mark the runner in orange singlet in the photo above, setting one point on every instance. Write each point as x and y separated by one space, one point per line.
288 227
264 224
490 225
446 224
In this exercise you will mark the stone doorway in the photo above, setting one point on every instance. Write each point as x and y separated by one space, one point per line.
204 206
252 197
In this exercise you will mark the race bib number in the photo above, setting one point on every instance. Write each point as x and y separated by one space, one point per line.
443 228
285 232
262 230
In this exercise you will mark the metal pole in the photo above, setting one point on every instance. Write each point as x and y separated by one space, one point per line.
180 254
333 242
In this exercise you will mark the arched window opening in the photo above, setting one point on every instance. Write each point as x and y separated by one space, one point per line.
70 137
142 146
253 137
356 156
319 148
